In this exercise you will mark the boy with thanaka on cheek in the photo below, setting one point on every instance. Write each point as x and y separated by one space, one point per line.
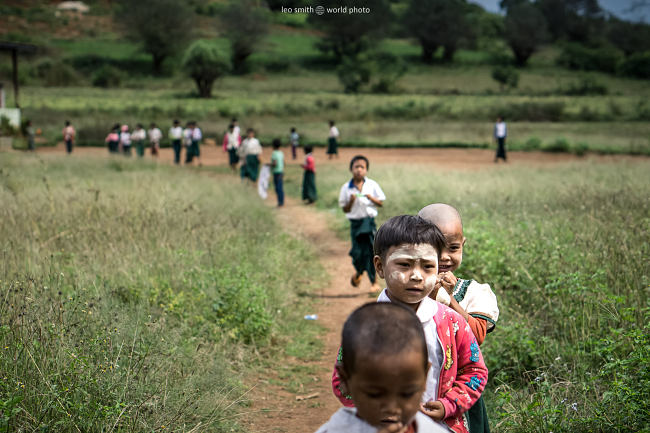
475 302
385 369
406 256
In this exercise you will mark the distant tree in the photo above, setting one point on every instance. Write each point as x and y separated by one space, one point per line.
629 37
525 30
163 27
506 76
204 64
246 24
349 34
437 23
575 20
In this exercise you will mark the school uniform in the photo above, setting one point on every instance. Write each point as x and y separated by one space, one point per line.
278 174
138 137
294 140
345 420
187 142
332 144
249 151
155 135
68 136
125 141
362 223
176 135
309 192
231 145
197 136
500 133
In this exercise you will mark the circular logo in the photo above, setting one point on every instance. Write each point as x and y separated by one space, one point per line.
320 10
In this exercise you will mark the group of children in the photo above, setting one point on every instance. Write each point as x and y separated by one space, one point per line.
410 362
121 140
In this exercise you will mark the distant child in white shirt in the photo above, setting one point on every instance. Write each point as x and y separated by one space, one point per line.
155 135
176 136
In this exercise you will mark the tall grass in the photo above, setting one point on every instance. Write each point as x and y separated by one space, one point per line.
134 296
566 251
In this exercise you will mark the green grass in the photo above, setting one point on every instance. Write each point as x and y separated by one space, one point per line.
130 298
565 249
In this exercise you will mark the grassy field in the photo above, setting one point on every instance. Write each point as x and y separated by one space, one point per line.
132 302
565 250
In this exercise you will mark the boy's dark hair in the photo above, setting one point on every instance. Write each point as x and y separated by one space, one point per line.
293 129
249 130
233 120
139 125
381 328
176 122
331 123
67 123
357 158
407 229
152 125
231 126
308 149
276 143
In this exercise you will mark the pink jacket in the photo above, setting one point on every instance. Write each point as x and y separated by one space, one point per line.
463 375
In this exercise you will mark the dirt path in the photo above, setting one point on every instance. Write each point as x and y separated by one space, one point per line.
273 408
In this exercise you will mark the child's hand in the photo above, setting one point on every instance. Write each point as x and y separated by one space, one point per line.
448 280
398 427
433 409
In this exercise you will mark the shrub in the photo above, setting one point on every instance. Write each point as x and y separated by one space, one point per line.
389 68
56 73
637 65
580 148
534 111
559 145
506 76
577 56
533 143
107 76
354 72
586 85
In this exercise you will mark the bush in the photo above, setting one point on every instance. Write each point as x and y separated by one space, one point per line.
637 65
506 76
534 111
577 56
204 64
56 73
558 146
354 72
586 85
389 68
533 143
107 76
580 148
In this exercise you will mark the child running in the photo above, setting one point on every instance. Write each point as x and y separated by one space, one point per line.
406 255
385 369
309 177
359 199
475 302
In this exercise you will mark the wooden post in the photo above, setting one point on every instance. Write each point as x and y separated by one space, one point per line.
14 62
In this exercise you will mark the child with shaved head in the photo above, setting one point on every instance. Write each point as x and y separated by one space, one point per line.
475 302
406 255
385 370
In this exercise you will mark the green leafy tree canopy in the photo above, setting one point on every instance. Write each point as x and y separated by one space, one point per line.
204 64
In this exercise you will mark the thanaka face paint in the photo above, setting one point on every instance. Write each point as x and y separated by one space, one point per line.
410 272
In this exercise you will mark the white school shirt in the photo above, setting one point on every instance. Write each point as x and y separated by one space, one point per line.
155 135
427 309
125 138
250 146
500 130
187 136
233 141
138 134
362 206
196 134
176 133
345 420
334 132
237 131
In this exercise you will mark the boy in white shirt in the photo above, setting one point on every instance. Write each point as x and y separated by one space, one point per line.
359 199
155 135
332 141
176 135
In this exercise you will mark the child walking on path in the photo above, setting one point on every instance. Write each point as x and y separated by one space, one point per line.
113 139
391 361
359 198
406 254
332 141
139 136
309 177
68 136
500 134
277 163
197 136
187 142
231 143
250 152
475 302
155 135
176 135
